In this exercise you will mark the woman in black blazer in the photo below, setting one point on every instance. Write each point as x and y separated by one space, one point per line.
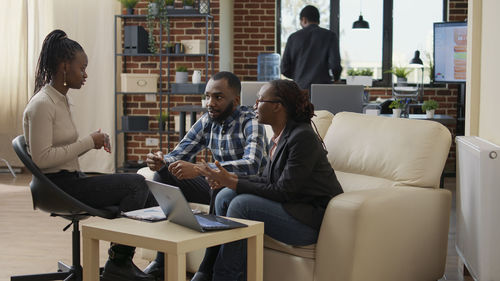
292 193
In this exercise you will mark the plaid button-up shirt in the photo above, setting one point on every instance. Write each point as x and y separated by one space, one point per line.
239 143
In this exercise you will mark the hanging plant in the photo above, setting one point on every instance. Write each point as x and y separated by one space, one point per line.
158 11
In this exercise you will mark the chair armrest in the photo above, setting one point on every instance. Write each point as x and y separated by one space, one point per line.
384 234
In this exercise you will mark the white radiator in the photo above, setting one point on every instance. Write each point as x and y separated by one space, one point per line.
478 207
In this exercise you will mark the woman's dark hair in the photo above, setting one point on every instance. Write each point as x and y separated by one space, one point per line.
56 48
295 100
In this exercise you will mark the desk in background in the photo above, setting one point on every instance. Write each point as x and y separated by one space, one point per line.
441 118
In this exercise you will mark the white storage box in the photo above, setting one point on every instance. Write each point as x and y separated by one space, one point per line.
139 83
359 80
194 46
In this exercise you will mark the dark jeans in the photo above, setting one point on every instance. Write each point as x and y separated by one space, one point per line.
230 259
128 191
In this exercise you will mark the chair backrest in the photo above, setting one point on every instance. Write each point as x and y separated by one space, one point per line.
249 91
47 196
337 98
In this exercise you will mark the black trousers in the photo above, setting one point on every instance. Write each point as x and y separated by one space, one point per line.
196 190
128 191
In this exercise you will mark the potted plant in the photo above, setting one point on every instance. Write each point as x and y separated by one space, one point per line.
181 74
397 106
431 67
170 48
169 4
129 4
162 120
359 77
401 73
188 4
156 10
429 106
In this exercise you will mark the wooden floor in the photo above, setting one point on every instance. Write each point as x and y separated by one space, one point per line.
32 242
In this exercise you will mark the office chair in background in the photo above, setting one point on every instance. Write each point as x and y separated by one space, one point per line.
50 198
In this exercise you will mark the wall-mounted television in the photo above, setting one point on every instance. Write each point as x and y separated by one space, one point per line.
450 52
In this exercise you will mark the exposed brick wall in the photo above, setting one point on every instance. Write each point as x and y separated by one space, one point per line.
180 29
457 10
254 33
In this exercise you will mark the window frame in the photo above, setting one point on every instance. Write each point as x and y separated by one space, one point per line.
387 33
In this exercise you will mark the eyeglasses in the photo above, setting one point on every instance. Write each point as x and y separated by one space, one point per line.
269 101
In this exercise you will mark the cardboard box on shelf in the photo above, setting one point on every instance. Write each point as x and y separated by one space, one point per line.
139 83
196 46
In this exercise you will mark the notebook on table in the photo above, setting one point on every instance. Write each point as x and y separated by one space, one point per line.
176 208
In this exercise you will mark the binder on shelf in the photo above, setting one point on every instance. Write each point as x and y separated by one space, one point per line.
135 40
188 88
135 123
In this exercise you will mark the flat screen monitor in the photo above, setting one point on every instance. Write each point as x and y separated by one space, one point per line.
450 52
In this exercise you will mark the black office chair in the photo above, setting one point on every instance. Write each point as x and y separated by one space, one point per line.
50 198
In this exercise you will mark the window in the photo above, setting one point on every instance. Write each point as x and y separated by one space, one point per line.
361 48
397 29
413 29
290 22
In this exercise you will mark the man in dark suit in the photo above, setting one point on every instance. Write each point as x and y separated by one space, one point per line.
311 52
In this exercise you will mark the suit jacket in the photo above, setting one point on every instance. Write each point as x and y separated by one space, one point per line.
309 55
299 175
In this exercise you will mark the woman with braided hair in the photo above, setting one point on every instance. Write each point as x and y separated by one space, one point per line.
292 193
55 146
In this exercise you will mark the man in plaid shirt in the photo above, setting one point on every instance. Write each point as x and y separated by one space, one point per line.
231 133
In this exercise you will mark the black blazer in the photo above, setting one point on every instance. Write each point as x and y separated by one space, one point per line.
309 55
299 176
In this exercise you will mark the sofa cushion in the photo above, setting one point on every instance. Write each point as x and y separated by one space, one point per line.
322 120
355 182
398 150
308 251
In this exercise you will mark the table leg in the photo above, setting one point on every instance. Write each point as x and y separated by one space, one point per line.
255 258
175 266
90 259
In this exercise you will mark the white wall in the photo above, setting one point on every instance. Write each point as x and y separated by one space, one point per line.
483 97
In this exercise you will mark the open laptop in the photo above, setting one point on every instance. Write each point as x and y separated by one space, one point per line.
177 210
336 98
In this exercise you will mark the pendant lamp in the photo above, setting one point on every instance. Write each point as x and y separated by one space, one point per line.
360 23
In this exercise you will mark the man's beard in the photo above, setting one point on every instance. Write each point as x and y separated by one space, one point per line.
224 114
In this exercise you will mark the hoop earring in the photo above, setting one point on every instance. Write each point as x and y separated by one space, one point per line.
65 84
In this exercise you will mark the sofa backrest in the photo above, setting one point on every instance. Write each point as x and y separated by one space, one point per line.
372 151
322 121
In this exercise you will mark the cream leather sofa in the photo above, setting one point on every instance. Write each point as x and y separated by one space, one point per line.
391 224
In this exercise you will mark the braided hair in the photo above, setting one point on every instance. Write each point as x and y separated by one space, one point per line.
56 48
295 100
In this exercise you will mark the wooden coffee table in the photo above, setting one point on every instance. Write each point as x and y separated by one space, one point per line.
172 239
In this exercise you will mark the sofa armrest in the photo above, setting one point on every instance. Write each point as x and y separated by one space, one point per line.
384 233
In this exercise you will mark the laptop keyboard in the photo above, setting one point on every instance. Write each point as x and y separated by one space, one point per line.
207 223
